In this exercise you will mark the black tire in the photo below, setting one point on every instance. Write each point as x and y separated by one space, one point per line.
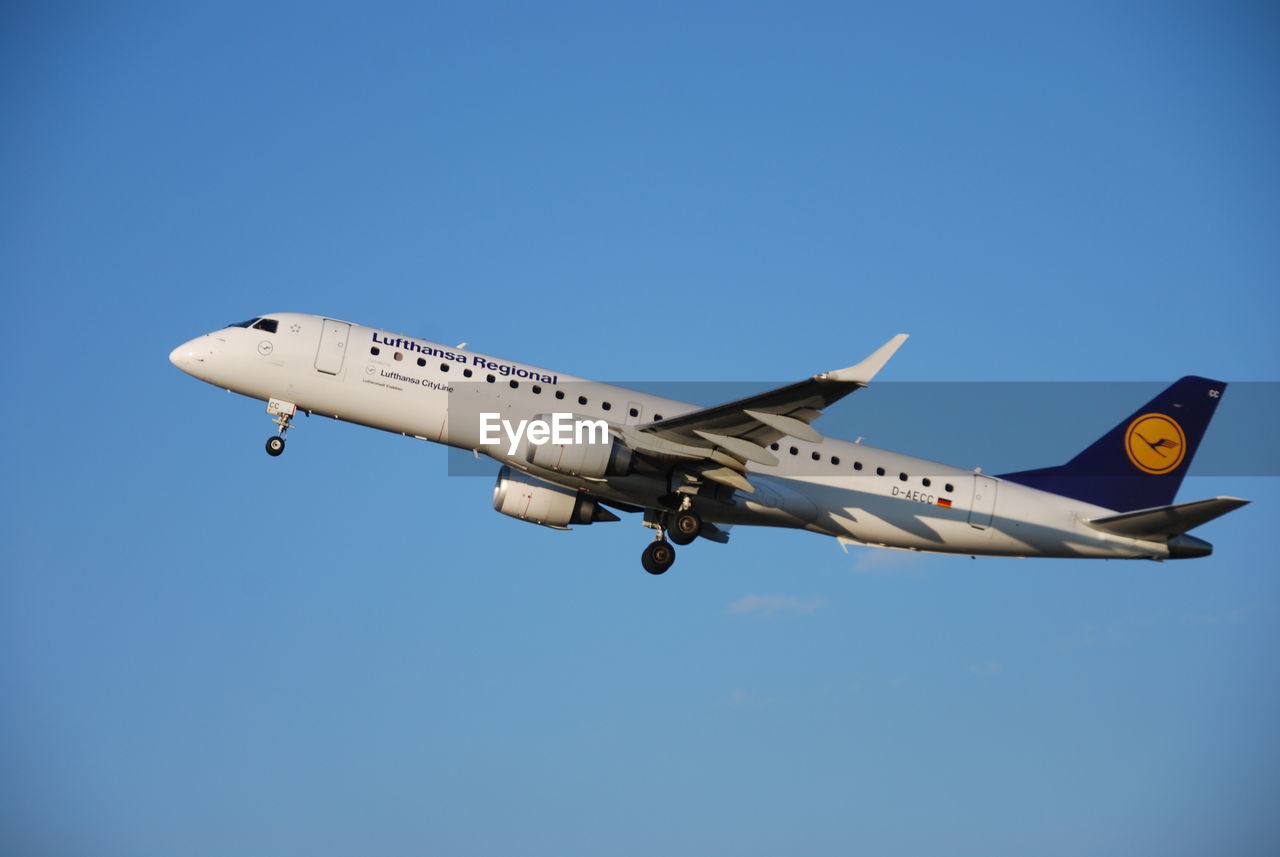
658 557
275 445
684 527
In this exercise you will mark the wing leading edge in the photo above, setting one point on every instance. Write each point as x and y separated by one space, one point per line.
720 440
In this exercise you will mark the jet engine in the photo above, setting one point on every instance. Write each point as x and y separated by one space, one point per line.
583 457
521 496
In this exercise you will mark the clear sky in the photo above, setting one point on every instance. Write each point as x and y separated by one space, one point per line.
204 651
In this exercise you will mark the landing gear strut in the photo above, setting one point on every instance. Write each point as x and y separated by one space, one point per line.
659 555
283 413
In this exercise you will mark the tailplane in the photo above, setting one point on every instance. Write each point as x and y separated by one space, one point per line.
1140 463
1166 522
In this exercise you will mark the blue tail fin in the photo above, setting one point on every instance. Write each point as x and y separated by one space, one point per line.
1140 463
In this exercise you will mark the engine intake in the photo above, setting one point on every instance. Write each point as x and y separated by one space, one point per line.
522 496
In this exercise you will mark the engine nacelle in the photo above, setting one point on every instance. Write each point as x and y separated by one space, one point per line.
591 454
521 496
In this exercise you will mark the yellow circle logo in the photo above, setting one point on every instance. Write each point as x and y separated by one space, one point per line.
1155 443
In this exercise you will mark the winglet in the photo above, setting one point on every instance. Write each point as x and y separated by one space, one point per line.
862 373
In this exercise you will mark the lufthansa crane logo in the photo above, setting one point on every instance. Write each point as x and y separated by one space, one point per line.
1155 443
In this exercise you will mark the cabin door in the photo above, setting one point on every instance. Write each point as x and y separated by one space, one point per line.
984 501
333 346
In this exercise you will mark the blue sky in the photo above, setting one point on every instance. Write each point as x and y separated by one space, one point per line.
204 651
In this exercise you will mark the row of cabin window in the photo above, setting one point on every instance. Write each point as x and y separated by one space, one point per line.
515 385
857 465
582 400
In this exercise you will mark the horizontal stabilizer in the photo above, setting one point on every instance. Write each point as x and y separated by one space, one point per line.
1165 522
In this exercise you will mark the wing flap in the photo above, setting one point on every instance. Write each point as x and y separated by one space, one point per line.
728 476
791 426
743 449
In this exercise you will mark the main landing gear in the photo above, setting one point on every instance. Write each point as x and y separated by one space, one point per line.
658 556
283 413
681 526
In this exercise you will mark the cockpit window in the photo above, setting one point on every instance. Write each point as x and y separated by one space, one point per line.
248 323
267 324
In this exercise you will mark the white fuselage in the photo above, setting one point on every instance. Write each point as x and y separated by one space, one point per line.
852 491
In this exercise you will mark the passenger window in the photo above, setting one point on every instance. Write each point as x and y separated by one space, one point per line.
902 477
536 389
373 349
925 482
657 417
949 487
857 465
399 356
636 413
514 383
582 400
774 446
835 459
795 451
489 378
444 367
879 471
559 394
606 405
817 456
466 373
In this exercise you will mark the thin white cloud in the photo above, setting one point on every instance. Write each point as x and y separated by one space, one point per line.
769 605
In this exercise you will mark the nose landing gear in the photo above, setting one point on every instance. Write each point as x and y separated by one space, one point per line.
283 413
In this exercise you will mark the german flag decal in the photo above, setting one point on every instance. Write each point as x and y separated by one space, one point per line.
944 502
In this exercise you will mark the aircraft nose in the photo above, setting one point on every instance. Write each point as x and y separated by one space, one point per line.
188 356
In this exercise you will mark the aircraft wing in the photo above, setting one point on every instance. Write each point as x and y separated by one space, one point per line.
720 440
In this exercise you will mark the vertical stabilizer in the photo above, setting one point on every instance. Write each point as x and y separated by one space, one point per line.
1140 463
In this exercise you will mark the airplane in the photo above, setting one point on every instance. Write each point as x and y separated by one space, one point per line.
693 472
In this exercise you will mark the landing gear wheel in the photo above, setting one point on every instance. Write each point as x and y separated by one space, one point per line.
275 445
658 557
683 526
